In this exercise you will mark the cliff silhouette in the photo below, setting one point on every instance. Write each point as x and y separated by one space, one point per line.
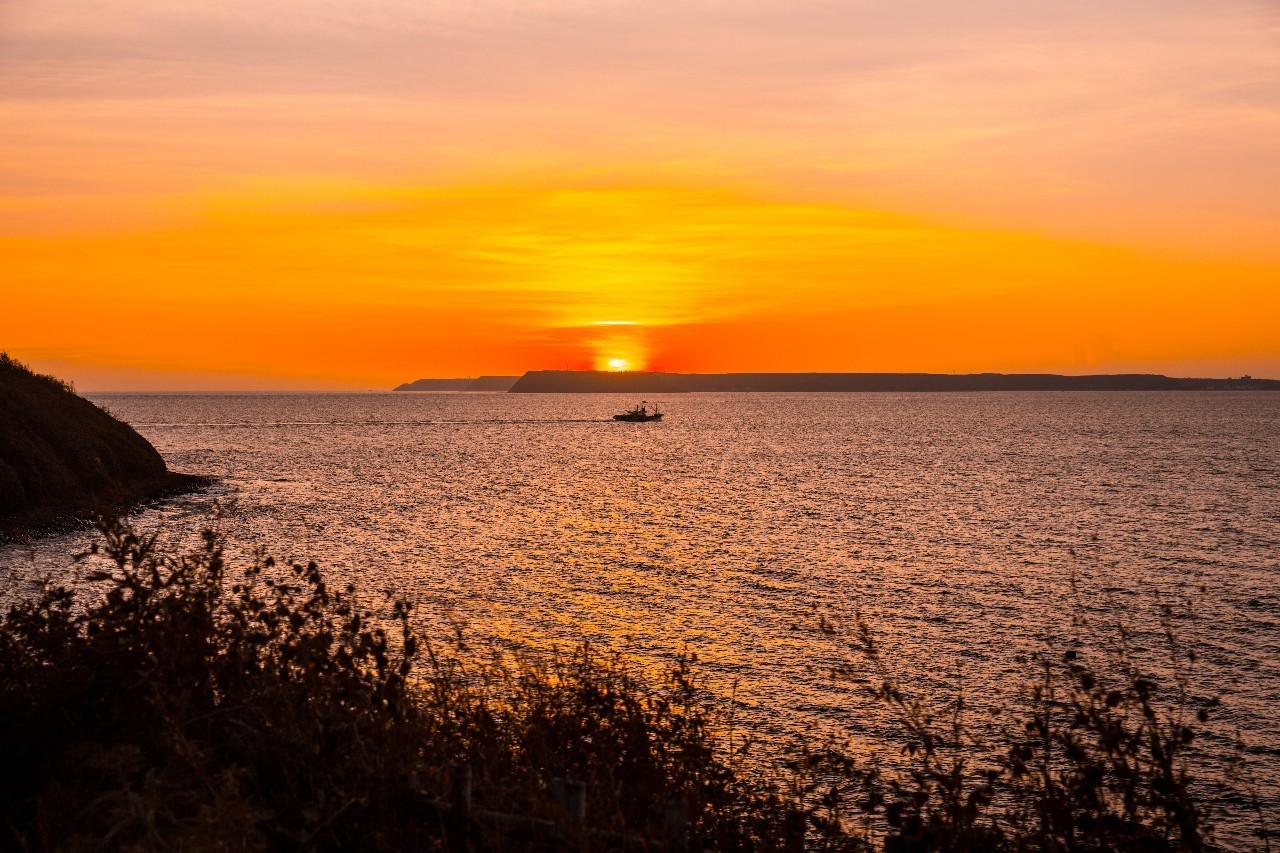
597 381
62 457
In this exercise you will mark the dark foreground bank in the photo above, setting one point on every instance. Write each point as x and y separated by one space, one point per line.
190 704
62 457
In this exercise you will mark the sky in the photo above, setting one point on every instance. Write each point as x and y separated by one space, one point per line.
261 194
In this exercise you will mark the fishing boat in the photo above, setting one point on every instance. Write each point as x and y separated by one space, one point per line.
640 414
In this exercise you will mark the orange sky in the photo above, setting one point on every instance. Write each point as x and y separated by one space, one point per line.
237 195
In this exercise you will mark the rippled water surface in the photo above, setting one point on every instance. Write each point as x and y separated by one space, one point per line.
954 522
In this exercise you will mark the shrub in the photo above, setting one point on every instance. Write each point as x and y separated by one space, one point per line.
1091 761
189 706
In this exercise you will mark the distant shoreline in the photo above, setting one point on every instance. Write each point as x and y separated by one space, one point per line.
586 381
480 383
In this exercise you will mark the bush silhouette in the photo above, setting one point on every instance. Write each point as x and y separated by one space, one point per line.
177 703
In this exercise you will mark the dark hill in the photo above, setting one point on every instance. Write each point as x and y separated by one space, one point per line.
436 385
61 456
483 383
493 383
595 381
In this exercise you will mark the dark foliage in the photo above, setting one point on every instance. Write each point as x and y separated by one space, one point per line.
1090 761
189 706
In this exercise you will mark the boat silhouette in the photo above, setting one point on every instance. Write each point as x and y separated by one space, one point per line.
640 414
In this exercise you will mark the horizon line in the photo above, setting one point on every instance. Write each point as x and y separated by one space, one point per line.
393 389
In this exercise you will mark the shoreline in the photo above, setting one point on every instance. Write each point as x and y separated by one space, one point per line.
55 521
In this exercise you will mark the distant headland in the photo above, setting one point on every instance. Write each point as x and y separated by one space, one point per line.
482 383
596 381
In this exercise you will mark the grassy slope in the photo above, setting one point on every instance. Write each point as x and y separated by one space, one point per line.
61 455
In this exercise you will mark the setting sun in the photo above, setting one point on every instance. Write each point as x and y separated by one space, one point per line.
1032 187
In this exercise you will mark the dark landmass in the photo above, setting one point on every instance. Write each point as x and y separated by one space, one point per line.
483 383
62 457
436 385
493 383
595 381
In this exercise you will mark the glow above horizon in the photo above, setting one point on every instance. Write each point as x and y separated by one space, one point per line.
236 195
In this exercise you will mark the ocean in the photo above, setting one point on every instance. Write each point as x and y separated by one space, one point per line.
969 530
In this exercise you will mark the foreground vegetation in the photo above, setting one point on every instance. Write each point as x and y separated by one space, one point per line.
193 706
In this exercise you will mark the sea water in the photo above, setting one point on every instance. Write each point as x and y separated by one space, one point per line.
969 530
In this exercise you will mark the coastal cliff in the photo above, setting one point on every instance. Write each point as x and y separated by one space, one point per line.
61 456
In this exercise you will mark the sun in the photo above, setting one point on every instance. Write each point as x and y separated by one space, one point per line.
618 364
